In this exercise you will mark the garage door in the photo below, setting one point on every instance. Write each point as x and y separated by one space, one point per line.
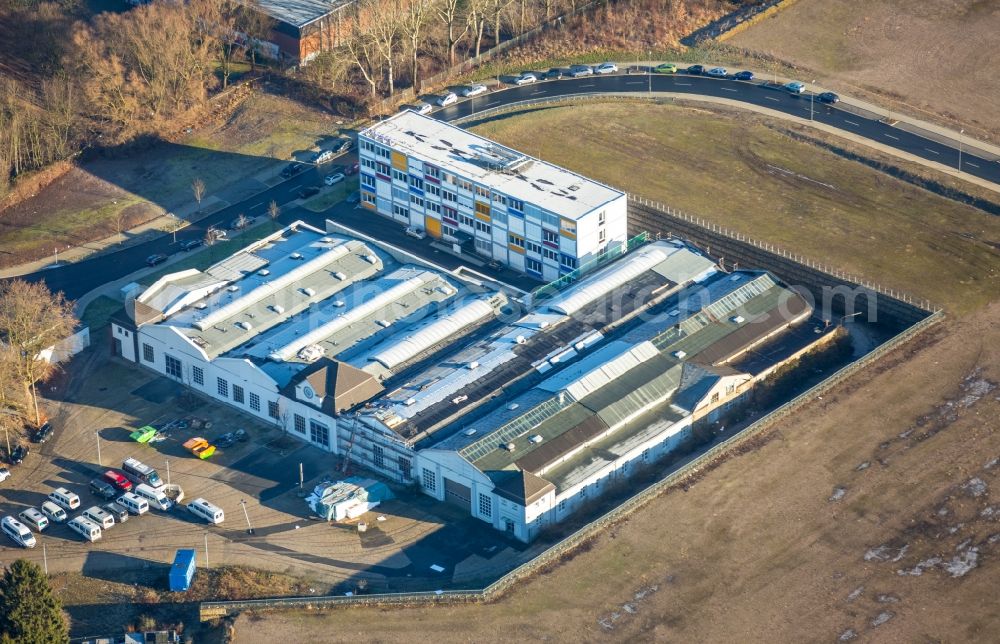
458 494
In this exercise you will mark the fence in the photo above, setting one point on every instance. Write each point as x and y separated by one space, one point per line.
212 610
470 64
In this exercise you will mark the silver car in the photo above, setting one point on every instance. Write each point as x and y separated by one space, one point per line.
526 79
473 90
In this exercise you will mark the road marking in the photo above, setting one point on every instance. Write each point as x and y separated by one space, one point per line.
771 98
635 83
729 89
892 137
852 123
493 103
589 85
541 91
684 84
932 151
257 204
972 164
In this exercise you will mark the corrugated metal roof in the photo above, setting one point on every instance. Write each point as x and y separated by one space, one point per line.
608 279
648 384
684 267
299 13
599 368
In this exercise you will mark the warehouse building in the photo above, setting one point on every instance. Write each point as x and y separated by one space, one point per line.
485 199
519 412
302 29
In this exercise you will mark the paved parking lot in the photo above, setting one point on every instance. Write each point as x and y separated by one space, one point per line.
99 401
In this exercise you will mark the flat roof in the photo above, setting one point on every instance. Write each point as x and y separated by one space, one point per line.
300 13
508 171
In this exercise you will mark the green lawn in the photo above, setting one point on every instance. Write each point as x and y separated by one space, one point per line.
99 311
327 197
736 171
205 256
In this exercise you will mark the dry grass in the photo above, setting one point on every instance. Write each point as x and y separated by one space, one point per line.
746 173
934 57
756 552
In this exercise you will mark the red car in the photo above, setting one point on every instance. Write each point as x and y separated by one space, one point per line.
118 480
352 168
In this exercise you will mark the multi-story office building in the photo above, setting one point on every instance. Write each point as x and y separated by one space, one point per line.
487 199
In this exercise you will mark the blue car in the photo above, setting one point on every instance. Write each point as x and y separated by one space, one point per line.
744 76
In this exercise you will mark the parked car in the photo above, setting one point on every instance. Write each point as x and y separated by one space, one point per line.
102 489
53 512
322 157
43 433
555 72
718 72
416 233
447 99
606 68
352 169
343 145
191 244
34 519
307 191
695 69
18 455
665 68
828 97
246 222
795 87
334 178
526 79
157 258
226 440
743 76
241 435
473 90
577 71
216 234
291 170
118 512
118 480
4 474
354 197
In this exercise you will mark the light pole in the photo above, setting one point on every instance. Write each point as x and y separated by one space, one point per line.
960 132
98 437
844 317
649 70
168 470
249 527
812 96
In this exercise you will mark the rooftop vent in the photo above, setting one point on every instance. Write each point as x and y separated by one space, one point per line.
246 326
680 354
536 439
371 259
340 276
410 401
201 306
519 340
674 313
326 240
459 399
233 288
277 308
311 353
338 303
472 365
383 323
510 447
512 406
296 255
264 272
735 277
309 291
470 432
738 319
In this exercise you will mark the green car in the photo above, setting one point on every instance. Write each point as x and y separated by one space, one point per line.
665 68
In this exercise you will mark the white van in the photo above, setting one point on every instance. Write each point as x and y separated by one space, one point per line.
133 503
18 532
156 498
65 499
34 519
207 511
100 517
53 512
85 528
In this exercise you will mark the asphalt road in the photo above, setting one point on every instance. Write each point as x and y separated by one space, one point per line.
79 278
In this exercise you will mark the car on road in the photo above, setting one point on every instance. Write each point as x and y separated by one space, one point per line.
447 99
334 178
216 234
307 191
743 76
795 87
577 71
102 489
53 512
352 169
416 233
695 69
828 97
554 73
473 90
4 474
291 170
43 433
526 79
354 197
156 258
665 68
606 68
343 145
718 72
18 455
419 108
191 244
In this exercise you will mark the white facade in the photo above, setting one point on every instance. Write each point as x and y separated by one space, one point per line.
532 216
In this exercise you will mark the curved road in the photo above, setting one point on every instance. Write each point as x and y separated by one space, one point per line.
79 278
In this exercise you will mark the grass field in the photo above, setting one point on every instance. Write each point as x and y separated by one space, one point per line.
936 58
204 257
742 171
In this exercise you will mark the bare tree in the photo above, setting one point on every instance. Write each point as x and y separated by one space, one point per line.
273 211
256 26
120 219
496 9
32 319
450 14
412 22
476 17
363 52
198 189
385 31
242 222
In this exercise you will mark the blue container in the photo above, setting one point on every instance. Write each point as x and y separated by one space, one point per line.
182 571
